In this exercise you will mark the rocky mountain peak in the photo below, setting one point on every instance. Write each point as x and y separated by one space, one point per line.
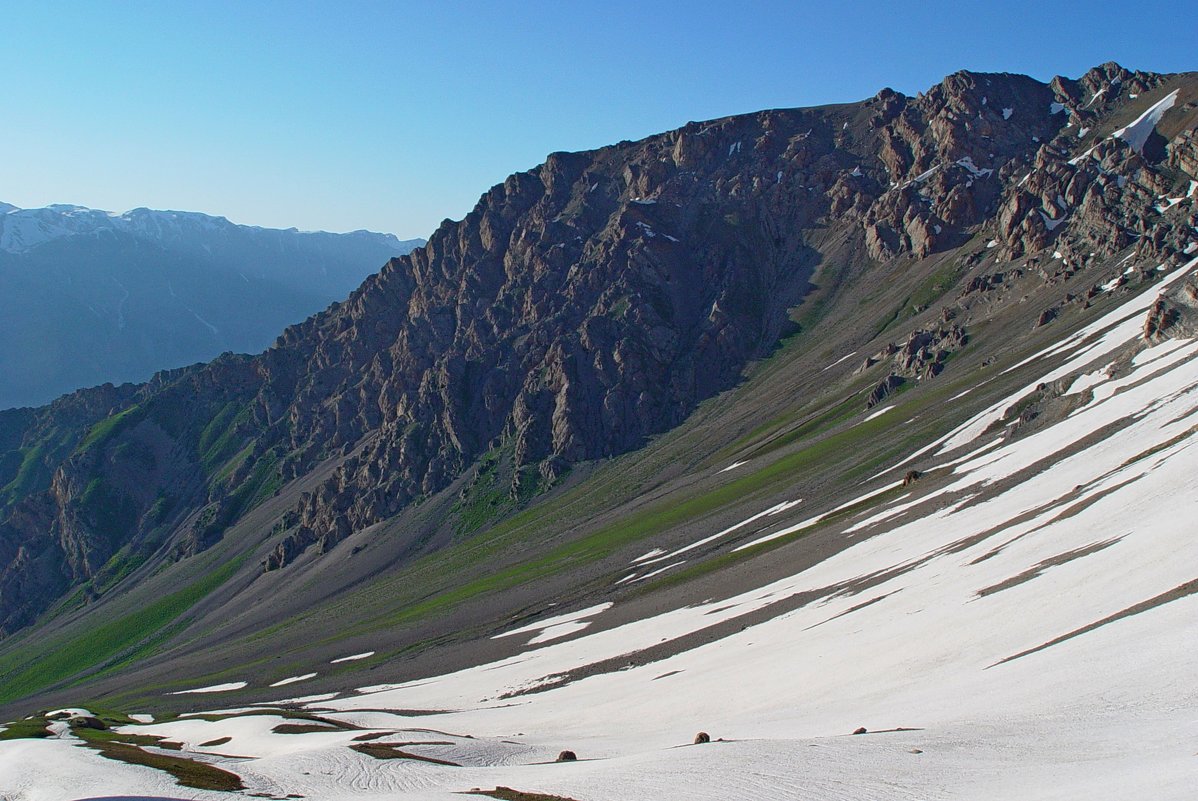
1100 88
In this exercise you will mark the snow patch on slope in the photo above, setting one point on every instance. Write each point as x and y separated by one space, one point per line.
1136 134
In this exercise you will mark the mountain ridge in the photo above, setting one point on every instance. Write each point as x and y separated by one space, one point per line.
67 219
477 365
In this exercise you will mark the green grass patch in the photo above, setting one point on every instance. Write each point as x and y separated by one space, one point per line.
70 603
235 462
162 507
895 316
34 667
807 316
27 474
220 441
35 727
187 772
116 569
933 288
814 426
620 308
490 497
109 427
25 729
217 427
37 463
110 736
261 483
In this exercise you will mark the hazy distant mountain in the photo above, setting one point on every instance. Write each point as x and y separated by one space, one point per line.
88 296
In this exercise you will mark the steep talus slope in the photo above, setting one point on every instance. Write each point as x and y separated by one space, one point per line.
92 297
580 310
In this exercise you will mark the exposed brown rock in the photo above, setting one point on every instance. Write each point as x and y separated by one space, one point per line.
1174 314
86 722
883 390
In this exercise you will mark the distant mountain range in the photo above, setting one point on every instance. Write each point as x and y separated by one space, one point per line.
89 296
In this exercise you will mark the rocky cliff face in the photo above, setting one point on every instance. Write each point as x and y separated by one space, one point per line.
578 309
592 302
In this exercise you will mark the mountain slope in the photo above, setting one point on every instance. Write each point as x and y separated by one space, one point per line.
93 297
507 418
1016 622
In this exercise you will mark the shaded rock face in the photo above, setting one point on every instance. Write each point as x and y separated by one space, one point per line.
34 560
105 472
580 308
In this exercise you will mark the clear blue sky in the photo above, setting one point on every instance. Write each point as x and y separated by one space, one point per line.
393 116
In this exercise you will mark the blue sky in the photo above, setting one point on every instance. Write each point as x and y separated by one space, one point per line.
394 115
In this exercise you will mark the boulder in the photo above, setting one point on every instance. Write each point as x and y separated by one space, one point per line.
86 722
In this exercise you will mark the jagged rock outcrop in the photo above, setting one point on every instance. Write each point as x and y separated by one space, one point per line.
579 308
885 388
1174 315
922 354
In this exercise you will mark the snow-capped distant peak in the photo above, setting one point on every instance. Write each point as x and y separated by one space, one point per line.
24 229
